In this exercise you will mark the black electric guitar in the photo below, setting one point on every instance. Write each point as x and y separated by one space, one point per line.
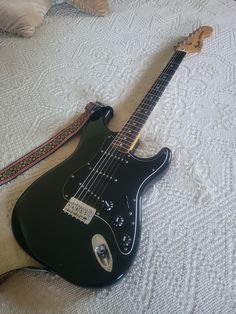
82 219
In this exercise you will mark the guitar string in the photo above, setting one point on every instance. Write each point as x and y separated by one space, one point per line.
114 163
167 68
112 171
85 189
149 98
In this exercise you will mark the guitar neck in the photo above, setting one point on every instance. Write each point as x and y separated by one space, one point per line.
128 136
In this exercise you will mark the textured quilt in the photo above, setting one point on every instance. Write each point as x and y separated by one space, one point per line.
187 257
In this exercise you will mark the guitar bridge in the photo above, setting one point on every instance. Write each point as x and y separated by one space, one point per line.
79 210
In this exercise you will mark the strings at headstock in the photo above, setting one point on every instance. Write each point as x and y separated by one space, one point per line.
193 43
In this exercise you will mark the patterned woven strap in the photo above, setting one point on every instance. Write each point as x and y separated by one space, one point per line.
27 161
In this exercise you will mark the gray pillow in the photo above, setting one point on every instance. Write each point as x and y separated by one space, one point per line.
23 16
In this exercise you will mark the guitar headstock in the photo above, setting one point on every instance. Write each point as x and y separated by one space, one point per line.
193 43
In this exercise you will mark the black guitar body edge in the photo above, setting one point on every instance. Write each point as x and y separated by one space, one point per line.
82 219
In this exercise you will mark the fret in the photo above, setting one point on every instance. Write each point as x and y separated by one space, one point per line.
144 111
141 116
127 137
124 138
164 78
159 84
128 140
138 120
131 130
134 123
127 144
154 94
122 147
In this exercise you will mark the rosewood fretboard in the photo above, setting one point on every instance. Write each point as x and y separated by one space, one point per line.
128 136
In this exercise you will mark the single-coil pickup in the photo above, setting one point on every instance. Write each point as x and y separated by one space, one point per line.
88 191
102 174
113 156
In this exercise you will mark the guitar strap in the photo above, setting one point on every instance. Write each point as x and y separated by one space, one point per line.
44 150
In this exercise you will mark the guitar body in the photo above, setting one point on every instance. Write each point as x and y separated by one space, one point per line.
82 219
12 255
96 246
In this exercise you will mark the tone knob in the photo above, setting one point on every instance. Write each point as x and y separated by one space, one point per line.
126 240
107 205
118 221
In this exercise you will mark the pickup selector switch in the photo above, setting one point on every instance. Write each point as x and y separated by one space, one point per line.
118 221
107 205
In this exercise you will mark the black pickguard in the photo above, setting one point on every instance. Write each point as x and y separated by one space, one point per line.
65 244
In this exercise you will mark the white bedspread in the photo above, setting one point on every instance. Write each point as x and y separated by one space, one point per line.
187 257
